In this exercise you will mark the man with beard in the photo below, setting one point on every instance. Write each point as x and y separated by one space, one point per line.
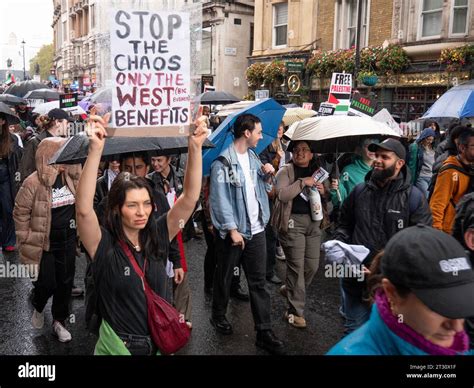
374 211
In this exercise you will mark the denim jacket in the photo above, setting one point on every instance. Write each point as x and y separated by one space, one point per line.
228 198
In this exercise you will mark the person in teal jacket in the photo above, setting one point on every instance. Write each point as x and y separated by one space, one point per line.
422 285
352 174
421 159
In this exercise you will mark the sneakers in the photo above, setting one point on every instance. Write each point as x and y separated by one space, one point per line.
60 331
37 320
295 320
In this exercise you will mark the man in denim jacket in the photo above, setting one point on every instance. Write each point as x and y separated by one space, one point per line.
239 212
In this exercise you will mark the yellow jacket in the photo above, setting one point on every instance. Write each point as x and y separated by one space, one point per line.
450 186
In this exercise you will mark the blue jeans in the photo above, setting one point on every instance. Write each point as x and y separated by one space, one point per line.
7 226
423 184
356 310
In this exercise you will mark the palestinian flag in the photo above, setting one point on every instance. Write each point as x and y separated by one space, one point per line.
10 79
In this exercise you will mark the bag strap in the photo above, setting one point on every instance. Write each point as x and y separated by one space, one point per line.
134 263
224 161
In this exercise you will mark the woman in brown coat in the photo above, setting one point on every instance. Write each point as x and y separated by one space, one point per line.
299 235
44 217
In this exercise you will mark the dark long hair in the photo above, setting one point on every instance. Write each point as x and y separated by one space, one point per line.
154 247
374 281
5 140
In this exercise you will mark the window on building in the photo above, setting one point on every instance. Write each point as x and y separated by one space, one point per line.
251 38
237 21
345 30
431 18
65 36
92 11
280 24
206 51
459 17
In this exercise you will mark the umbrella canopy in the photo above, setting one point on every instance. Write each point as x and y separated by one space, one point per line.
19 89
292 115
42 94
43 109
334 134
228 109
457 102
270 114
12 118
102 96
214 98
75 150
11 99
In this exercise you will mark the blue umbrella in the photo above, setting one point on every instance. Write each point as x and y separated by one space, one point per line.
457 102
270 114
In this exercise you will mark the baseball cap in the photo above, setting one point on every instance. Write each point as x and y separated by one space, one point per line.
389 145
434 266
59 114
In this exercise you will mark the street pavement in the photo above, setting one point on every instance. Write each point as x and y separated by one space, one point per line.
324 322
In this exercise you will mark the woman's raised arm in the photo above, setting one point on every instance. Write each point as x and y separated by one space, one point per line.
186 203
87 222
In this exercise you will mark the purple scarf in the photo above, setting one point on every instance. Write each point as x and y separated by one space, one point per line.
460 343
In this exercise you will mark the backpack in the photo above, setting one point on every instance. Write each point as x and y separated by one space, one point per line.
432 185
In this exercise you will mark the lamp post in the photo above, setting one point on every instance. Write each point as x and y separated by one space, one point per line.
24 66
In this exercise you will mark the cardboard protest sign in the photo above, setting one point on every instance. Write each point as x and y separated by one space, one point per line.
340 92
150 72
362 106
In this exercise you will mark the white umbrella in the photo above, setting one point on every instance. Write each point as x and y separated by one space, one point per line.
334 134
226 110
43 109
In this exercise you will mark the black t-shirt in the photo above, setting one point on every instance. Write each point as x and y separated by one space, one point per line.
300 206
121 298
63 209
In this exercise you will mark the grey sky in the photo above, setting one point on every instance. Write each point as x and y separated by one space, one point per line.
29 20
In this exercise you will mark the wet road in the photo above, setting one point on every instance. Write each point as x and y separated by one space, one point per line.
324 323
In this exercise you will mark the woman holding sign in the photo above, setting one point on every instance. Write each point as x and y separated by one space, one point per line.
121 299
298 228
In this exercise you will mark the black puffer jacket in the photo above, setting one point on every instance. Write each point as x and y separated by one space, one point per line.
371 215
14 158
378 213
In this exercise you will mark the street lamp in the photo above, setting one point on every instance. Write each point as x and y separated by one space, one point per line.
24 66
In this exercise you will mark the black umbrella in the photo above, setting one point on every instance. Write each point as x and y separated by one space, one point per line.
214 98
12 118
75 150
42 94
10 99
19 89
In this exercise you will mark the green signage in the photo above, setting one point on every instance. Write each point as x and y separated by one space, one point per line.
294 67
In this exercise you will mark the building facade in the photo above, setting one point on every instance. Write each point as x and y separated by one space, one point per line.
294 29
226 43
74 24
